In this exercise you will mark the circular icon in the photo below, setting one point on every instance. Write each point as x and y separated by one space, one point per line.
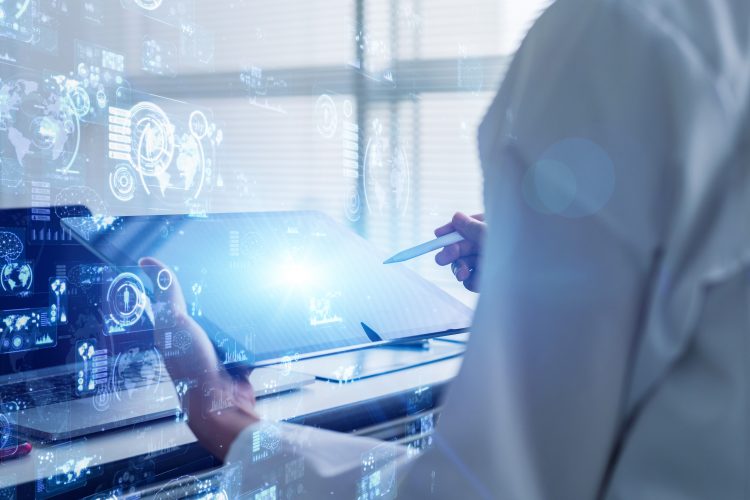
153 136
102 399
80 101
353 209
164 279
16 278
16 342
386 177
348 108
127 299
148 4
122 183
326 116
198 124
101 98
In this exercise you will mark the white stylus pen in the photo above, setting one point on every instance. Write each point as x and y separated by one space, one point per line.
426 247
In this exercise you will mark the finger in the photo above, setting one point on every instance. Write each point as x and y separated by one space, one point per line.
444 229
448 254
457 250
165 284
464 267
471 229
449 228
472 284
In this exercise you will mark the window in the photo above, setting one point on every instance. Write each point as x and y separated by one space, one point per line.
364 109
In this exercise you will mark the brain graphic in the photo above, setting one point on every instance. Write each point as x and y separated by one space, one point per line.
11 246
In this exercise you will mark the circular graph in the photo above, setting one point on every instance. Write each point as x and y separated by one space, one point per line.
16 278
164 279
173 159
326 116
198 124
348 108
153 137
353 208
127 300
122 183
102 398
80 101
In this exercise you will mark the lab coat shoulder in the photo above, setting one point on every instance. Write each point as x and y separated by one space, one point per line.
714 32
630 80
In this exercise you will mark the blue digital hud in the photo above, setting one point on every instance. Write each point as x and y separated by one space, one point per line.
378 479
129 304
26 329
163 150
41 129
63 468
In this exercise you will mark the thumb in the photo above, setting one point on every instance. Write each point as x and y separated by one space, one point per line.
471 229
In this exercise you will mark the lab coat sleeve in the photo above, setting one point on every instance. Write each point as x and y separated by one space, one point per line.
579 151
294 461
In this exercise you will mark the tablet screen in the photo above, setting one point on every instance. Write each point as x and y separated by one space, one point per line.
270 285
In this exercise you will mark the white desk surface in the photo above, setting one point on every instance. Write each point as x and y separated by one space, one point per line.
157 437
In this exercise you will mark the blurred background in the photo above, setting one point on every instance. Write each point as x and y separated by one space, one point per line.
365 110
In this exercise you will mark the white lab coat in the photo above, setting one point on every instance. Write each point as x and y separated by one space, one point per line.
611 347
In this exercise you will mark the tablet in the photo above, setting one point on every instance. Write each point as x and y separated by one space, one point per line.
269 286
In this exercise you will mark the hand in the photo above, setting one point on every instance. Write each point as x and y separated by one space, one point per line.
216 430
464 256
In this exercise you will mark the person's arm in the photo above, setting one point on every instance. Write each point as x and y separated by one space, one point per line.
216 431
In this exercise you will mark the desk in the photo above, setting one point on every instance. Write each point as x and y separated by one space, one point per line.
364 407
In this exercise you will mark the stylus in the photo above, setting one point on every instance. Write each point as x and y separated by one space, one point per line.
427 247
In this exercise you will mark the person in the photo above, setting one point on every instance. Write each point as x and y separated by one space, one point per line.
609 355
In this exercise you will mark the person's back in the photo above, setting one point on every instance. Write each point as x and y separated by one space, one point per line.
687 413
615 308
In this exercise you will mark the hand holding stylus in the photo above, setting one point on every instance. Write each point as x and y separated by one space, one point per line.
464 256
